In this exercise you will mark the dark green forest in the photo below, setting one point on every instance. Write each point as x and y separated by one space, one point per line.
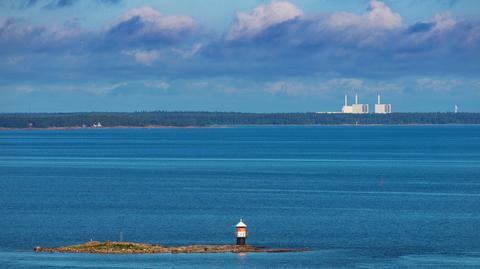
181 119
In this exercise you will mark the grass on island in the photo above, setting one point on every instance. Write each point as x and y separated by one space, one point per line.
114 246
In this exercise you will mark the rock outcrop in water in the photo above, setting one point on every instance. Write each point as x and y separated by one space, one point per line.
140 248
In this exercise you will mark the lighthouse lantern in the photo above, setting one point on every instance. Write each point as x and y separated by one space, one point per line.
241 232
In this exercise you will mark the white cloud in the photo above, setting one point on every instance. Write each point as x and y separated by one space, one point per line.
189 53
378 16
262 17
476 85
159 85
93 88
364 29
15 34
24 88
154 21
287 87
439 85
474 35
297 88
14 59
223 85
349 83
381 16
443 22
145 57
146 26
104 89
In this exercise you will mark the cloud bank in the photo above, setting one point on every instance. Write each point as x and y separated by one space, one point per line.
277 38
53 4
275 46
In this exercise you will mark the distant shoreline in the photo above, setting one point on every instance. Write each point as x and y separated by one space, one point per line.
165 119
225 126
100 128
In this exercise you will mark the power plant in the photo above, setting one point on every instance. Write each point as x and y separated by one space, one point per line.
363 108
382 108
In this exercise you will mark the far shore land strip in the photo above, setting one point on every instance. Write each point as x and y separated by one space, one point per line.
164 119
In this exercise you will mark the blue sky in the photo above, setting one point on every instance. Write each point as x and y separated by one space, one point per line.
250 56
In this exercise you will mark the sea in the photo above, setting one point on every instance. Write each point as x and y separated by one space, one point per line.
351 196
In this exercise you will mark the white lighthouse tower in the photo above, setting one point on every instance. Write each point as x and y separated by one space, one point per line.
241 232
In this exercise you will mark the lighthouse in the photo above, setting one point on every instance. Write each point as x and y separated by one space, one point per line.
241 232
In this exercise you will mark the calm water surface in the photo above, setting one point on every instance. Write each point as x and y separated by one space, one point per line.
358 197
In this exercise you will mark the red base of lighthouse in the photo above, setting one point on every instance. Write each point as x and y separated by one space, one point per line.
241 241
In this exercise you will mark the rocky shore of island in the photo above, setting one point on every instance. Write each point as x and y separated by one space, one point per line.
142 248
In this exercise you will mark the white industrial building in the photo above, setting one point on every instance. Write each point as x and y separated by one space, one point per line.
359 108
355 108
346 108
363 108
382 108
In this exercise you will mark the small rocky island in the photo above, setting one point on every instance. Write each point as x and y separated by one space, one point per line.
140 248
108 247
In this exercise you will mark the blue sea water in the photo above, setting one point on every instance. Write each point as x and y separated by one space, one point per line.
355 196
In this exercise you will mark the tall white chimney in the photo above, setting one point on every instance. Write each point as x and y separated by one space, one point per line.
346 100
378 98
356 99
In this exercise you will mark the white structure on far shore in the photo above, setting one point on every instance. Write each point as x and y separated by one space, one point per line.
355 108
346 108
359 108
382 108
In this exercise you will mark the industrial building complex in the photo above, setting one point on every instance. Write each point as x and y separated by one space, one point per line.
363 108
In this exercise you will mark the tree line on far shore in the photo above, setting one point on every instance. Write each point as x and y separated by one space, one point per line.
182 119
